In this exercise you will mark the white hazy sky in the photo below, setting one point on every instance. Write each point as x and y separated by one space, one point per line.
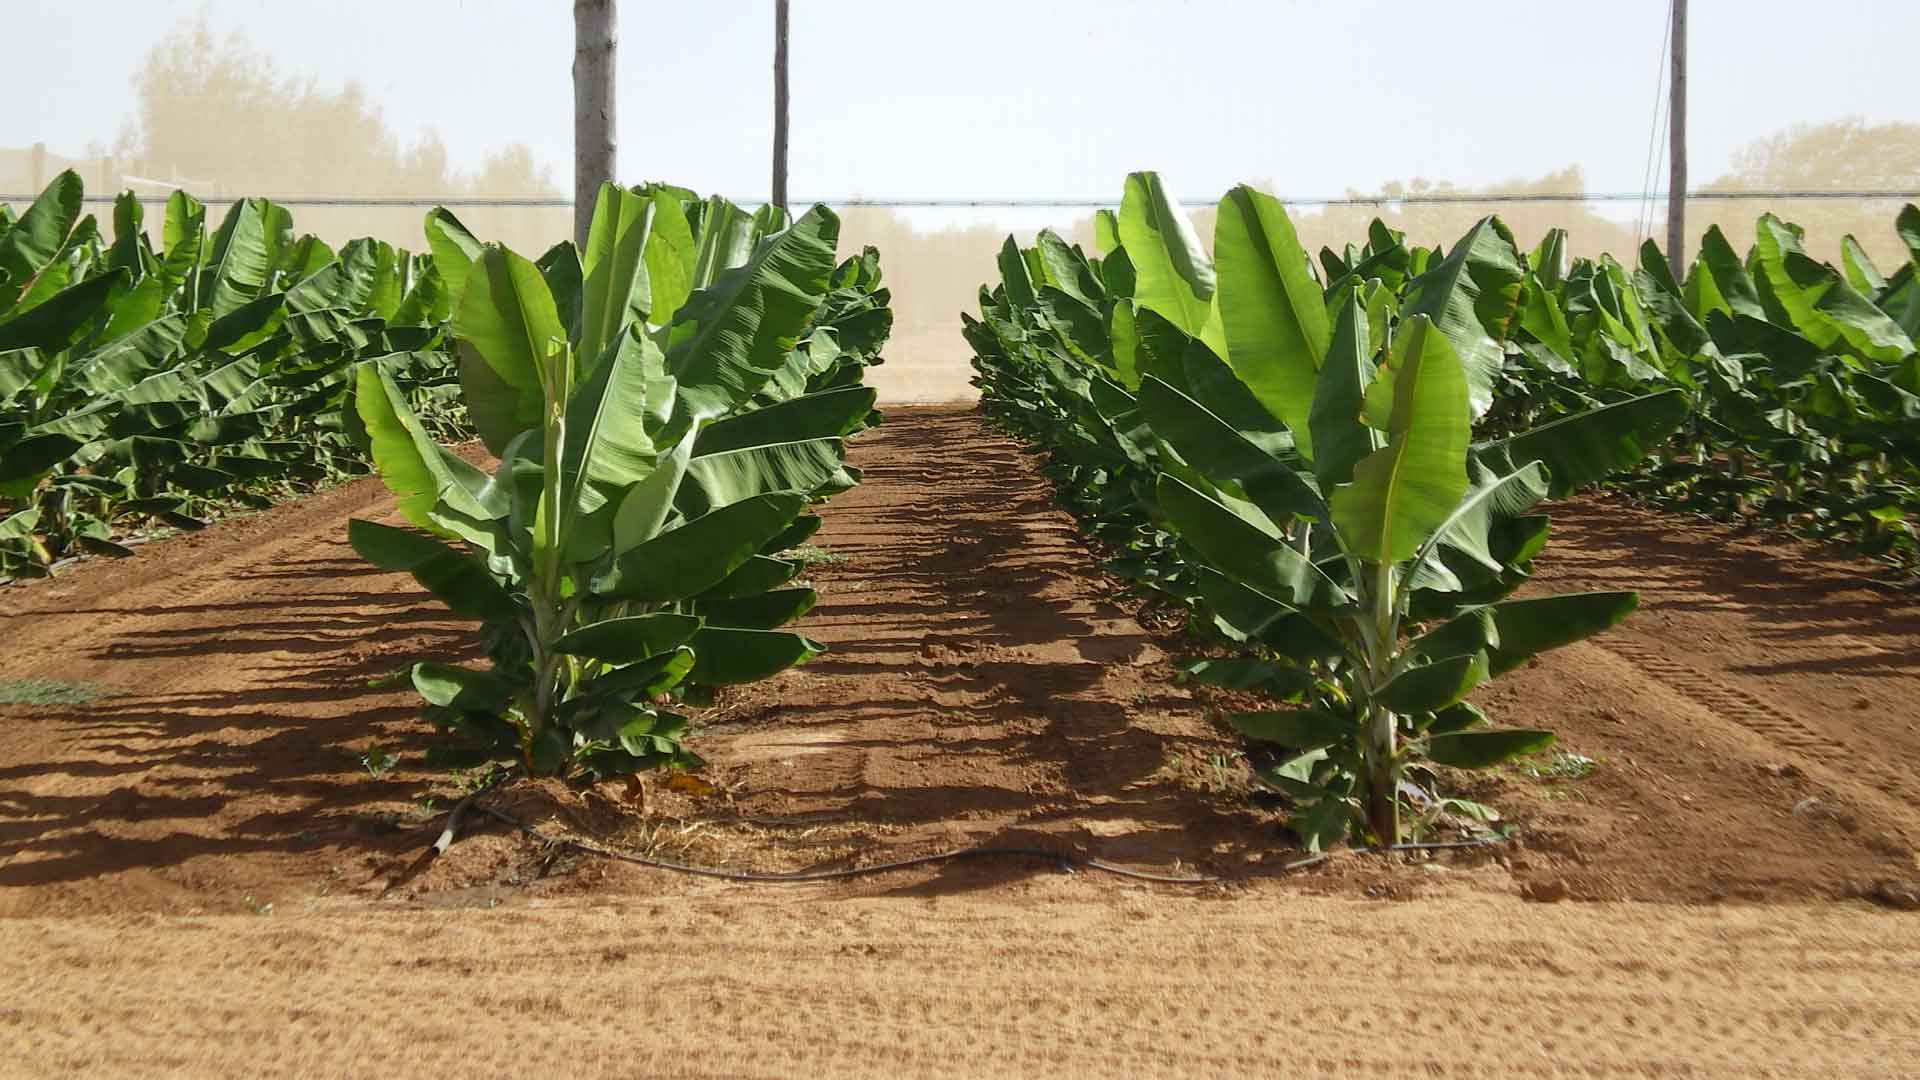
1027 98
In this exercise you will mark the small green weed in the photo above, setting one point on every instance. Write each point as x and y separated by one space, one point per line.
396 678
480 778
1221 781
814 555
256 906
50 692
377 761
1562 766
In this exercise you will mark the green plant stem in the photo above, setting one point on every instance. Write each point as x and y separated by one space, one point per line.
1380 743
550 613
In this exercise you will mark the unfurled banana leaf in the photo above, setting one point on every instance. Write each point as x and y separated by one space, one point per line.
1172 273
1272 310
729 338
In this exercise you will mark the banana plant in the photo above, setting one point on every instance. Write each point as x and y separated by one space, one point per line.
1802 378
1325 495
143 384
623 556
1384 542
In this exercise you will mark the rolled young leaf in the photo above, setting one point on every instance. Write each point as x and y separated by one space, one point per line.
616 287
1340 439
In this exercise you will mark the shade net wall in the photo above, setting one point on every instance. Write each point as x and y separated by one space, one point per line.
363 119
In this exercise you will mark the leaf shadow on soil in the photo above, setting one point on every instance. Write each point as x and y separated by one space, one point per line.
268 767
1798 593
981 686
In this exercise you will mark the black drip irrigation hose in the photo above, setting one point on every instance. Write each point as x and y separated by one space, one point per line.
1066 863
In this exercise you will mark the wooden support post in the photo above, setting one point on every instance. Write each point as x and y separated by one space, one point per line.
780 103
1677 149
594 23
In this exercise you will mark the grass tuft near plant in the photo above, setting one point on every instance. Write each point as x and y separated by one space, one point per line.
50 692
814 555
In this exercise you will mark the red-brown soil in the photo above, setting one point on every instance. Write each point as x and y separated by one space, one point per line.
1755 728
1049 981
1757 721
1753 724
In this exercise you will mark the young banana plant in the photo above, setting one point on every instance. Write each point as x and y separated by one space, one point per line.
623 552
1381 544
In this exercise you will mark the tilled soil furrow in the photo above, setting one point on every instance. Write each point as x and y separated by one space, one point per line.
1159 986
1791 732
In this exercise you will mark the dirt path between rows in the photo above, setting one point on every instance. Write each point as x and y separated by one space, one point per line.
1129 983
209 832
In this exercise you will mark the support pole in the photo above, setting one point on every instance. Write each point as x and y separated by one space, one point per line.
1677 149
593 101
780 103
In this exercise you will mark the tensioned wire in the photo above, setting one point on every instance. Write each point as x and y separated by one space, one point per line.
1080 203
1656 128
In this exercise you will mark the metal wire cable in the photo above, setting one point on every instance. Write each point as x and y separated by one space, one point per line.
1643 217
1078 203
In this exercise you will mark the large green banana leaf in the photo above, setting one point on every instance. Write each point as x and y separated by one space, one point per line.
1472 296
1402 492
739 331
1172 272
31 242
1272 311
507 321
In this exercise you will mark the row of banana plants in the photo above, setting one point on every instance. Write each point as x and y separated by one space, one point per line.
1289 451
148 385
1802 378
663 408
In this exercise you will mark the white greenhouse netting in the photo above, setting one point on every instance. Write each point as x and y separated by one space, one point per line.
360 116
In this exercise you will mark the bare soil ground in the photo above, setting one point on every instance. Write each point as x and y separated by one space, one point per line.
1054 981
210 829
